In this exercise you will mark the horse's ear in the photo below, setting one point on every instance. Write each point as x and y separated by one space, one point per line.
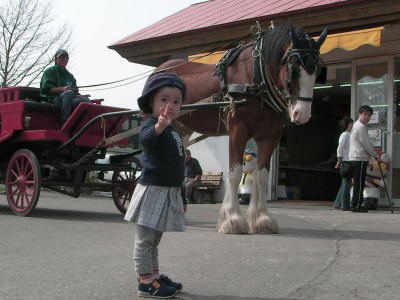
322 37
293 33
321 78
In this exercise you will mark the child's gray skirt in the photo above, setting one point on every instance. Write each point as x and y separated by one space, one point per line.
157 207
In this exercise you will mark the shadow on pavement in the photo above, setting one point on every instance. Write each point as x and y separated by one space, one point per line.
93 216
69 215
201 224
222 297
342 234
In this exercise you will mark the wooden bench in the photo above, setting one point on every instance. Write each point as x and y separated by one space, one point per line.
210 182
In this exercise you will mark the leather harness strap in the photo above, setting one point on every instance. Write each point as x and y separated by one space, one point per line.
226 60
264 85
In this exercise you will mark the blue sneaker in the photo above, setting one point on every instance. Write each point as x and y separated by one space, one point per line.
156 289
164 279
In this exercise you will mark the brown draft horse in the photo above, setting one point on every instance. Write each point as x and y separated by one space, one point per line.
275 73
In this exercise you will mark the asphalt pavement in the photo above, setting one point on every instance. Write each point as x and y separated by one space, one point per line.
82 249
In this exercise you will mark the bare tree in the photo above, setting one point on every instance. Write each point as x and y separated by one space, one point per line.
29 37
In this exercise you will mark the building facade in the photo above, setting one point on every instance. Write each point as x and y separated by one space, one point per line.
362 53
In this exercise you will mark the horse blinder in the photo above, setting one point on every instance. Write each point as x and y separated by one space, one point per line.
309 60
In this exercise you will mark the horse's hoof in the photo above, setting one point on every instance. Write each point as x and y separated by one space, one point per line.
230 230
263 224
230 221
235 225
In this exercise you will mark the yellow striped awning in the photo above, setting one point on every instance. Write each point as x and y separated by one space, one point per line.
348 41
352 40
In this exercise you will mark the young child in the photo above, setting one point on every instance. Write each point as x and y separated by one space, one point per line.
156 204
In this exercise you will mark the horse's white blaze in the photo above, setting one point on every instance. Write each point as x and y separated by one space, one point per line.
300 112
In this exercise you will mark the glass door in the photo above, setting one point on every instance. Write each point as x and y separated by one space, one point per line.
396 134
374 87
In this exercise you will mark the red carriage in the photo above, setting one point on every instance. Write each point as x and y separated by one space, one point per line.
37 150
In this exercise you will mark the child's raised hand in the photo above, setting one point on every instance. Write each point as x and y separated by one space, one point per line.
164 119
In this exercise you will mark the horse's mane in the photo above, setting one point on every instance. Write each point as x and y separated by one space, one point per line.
276 41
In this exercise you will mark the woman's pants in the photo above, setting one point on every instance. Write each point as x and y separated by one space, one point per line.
343 196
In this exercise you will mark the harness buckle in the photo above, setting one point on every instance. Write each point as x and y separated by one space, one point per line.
255 53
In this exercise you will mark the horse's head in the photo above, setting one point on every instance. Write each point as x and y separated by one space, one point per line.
301 64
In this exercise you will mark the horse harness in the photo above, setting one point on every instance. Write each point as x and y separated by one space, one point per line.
265 86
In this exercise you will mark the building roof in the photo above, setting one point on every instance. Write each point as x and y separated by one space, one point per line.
215 24
207 14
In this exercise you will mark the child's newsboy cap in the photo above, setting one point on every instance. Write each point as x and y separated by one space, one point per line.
155 82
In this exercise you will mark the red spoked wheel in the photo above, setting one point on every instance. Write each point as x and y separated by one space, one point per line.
23 182
122 194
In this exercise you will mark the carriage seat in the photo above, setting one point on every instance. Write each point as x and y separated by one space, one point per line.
35 106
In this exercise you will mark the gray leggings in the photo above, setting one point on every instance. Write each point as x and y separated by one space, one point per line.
145 253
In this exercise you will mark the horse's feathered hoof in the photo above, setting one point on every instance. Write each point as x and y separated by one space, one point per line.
235 225
231 222
263 224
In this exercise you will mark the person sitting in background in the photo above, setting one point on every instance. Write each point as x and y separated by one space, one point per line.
58 86
193 174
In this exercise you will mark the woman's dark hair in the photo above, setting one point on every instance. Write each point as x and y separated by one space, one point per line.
344 123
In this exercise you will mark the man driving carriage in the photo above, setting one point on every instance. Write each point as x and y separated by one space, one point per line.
58 86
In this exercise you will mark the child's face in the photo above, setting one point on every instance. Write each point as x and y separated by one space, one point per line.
170 97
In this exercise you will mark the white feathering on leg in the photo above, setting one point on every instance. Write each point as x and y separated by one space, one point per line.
257 215
230 220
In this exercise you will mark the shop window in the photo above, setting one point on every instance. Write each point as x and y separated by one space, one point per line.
308 152
396 95
371 89
396 132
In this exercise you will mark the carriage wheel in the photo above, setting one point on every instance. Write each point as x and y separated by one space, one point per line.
122 194
23 182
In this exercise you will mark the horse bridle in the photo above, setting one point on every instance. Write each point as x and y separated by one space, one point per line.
298 55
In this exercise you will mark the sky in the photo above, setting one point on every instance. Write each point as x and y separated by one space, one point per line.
97 24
